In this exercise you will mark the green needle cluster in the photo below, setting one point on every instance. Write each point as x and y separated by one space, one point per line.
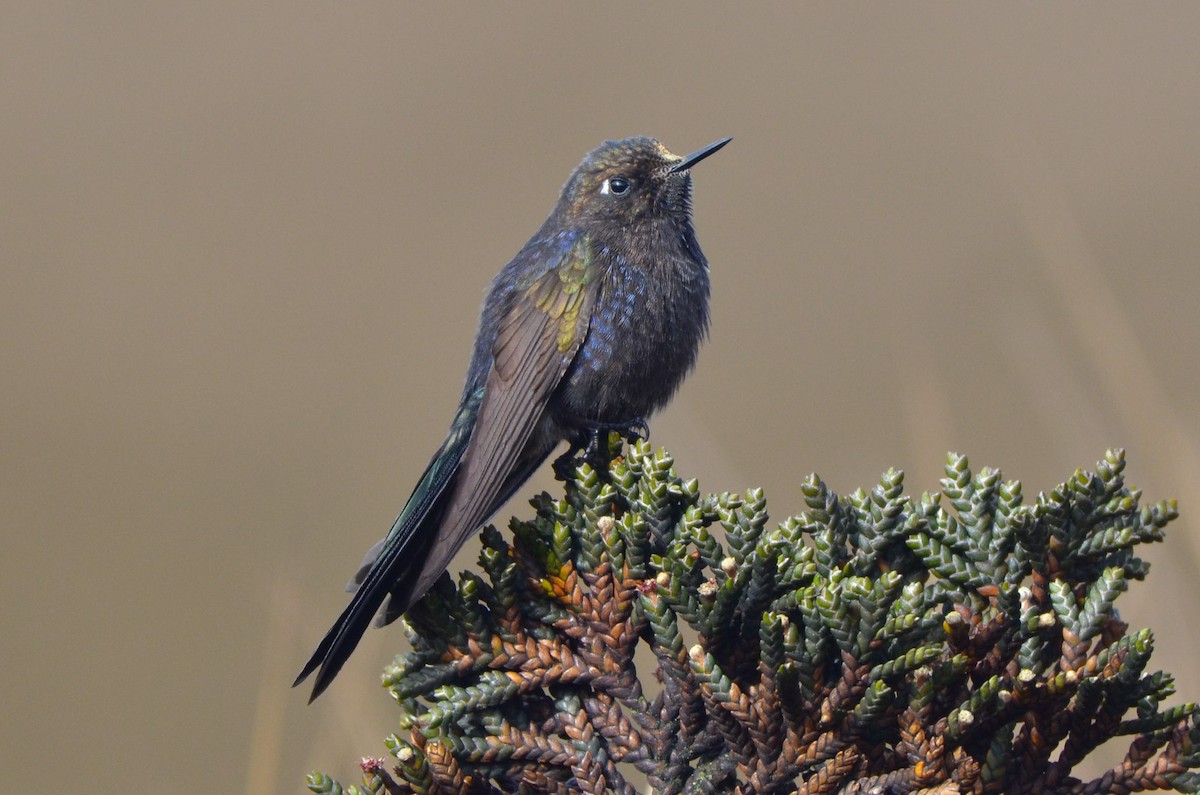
636 629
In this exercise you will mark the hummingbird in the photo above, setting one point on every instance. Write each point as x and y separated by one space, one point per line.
589 329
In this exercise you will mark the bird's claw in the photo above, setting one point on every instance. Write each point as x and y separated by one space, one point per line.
636 430
592 441
564 465
633 430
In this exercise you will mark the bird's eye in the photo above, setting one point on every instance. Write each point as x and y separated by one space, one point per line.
617 186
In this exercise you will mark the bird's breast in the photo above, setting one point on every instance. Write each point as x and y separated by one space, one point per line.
645 330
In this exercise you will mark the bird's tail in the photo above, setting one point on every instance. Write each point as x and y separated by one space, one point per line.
439 517
386 576
402 556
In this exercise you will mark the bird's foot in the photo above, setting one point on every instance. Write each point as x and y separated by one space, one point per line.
592 438
564 465
632 430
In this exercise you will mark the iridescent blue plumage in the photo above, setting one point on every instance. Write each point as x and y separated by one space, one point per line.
591 326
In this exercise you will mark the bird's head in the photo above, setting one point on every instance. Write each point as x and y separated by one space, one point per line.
628 182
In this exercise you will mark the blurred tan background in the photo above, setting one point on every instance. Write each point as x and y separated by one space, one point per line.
242 248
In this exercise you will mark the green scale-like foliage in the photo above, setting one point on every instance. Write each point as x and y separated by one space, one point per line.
965 641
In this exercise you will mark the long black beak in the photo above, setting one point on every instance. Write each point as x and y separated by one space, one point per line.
697 156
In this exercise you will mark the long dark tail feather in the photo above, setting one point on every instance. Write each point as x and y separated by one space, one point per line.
338 644
393 565
405 548
415 552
